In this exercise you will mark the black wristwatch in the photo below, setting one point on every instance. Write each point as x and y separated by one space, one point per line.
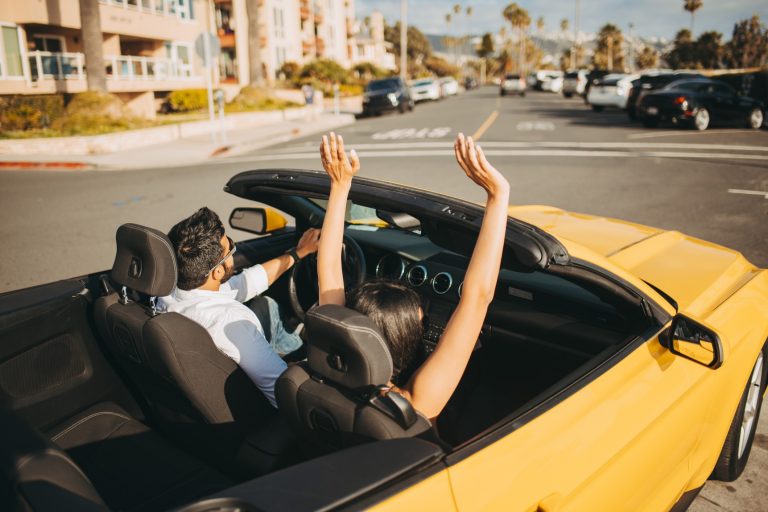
295 255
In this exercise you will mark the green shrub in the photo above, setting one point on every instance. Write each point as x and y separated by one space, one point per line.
19 113
187 100
325 70
350 90
95 112
441 67
289 70
367 71
254 98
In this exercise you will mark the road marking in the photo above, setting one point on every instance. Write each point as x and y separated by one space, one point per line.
532 126
486 124
645 135
413 133
748 192
389 153
541 144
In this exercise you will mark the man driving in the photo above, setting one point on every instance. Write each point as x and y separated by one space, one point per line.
208 292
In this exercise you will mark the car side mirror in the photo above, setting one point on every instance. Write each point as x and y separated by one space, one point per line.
257 220
692 340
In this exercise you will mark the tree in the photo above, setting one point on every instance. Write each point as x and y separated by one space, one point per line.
564 24
692 6
648 58
486 48
419 47
683 52
748 46
255 73
540 24
90 22
608 53
708 50
519 19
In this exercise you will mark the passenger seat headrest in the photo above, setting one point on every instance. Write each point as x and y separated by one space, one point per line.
347 348
145 260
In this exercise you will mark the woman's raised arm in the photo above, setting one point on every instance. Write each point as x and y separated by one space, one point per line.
340 170
433 383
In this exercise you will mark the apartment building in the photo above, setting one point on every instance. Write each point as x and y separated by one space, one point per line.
148 48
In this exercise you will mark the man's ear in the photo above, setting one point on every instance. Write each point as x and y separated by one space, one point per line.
218 273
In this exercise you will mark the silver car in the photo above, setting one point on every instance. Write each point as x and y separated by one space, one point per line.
513 84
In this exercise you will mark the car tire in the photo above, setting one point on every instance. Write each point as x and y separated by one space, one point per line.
755 119
632 114
402 108
701 119
502 93
522 94
650 123
568 94
738 443
597 108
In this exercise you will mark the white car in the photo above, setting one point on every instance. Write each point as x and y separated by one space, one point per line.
551 81
574 82
425 89
449 85
513 84
610 91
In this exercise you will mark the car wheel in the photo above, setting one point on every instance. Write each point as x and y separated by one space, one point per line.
568 94
701 120
402 108
755 119
650 123
522 94
502 93
632 114
597 108
738 443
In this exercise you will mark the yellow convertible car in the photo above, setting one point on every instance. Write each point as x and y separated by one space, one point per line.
619 368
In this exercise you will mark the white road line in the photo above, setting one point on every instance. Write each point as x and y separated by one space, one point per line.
519 152
748 192
646 135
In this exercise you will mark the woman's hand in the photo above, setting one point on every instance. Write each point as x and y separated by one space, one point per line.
335 162
472 160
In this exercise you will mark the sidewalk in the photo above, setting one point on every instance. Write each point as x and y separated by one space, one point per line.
191 150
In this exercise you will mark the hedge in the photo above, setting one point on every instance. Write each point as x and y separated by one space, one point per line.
30 112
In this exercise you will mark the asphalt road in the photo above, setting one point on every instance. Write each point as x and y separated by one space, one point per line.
713 185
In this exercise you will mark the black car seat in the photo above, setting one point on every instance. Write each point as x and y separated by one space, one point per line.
189 388
338 396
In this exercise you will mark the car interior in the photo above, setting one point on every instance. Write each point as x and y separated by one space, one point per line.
108 404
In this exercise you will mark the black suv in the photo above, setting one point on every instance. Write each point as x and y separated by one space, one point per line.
648 83
386 94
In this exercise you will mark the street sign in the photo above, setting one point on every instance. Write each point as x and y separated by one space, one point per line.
200 47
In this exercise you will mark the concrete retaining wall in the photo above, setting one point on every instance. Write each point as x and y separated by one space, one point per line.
120 141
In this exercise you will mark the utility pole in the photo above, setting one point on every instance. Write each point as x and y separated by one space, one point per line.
577 22
610 53
404 40
631 48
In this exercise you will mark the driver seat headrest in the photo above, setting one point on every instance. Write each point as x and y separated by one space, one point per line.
145 260
347 348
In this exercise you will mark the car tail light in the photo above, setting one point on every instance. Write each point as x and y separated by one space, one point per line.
680 100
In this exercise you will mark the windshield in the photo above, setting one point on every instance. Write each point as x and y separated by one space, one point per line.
381 85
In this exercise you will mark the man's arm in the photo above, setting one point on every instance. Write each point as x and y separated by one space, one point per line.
277 266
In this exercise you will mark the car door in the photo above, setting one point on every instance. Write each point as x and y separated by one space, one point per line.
729 103
51 364
620 442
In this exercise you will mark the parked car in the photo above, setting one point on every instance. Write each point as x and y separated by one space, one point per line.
649 82
592 78
448 86
470 83
513 84
549 81
619 367
700 103
610 91
385 95
425 89
574 82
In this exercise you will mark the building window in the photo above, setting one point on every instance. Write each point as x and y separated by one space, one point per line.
280 56
279 23
10 52
49 43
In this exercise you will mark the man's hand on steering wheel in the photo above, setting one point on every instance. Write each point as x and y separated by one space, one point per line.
308 243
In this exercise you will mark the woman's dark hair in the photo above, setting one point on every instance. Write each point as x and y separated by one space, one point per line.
197 243
394 308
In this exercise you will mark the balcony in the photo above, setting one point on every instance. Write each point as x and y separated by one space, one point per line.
65 72
320 44
226 39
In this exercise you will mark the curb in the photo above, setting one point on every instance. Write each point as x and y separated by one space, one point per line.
47 166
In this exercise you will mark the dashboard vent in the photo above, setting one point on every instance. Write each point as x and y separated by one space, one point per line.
417 276
442 282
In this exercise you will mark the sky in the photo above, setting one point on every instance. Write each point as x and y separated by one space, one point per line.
651 18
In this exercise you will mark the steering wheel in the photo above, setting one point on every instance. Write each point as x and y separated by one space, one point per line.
303 282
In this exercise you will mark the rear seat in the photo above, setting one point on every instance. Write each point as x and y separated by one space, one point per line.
102 459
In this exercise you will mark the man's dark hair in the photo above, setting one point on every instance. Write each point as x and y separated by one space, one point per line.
394 308
197 243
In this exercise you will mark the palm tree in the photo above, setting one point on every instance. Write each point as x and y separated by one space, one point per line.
540 24
255 75
519 19
90 22
564 24
692 6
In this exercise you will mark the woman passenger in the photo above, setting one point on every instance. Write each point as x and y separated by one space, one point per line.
394 307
